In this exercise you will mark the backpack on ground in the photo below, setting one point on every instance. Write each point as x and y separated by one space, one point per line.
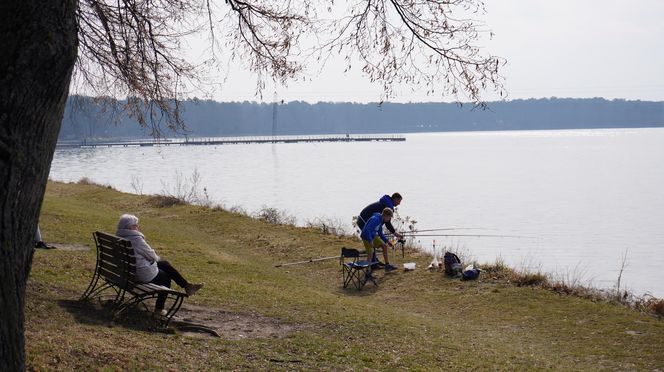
452 264
470 273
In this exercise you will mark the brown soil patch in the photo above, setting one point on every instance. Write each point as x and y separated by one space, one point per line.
202 322
70 247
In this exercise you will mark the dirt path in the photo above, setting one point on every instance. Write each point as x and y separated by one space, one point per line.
199 321
70 247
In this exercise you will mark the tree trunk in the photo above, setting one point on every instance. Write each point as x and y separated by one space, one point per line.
38 46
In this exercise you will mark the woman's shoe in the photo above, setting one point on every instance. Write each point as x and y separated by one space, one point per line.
190 289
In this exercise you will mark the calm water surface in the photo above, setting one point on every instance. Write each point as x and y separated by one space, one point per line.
584 196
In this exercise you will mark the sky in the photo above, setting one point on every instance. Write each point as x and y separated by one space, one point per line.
564 48
611 49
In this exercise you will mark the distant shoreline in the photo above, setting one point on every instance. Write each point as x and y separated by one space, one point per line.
99 141
85 119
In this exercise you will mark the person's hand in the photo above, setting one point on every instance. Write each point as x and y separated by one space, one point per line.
400 236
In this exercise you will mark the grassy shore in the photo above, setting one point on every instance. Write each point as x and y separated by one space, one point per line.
417 320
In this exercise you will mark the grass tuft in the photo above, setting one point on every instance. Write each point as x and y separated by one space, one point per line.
530 279
497 270
164 201
328 226
656 306
87 181
275 216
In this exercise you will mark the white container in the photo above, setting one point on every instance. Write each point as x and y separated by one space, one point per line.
409 266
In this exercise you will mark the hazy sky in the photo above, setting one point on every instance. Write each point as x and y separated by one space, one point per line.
563 48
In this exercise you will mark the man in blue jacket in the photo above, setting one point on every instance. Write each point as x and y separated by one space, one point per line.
373 237
385 202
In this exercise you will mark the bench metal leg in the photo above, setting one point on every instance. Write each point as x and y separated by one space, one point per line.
131 302
96 292
172 310
90 290
177 303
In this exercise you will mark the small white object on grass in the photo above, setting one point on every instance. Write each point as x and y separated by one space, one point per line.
409 266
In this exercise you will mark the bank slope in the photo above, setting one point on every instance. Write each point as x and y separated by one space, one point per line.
417 319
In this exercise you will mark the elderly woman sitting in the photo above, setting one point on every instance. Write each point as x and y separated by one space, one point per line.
149 267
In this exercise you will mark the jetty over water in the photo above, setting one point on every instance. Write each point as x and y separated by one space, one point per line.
232 140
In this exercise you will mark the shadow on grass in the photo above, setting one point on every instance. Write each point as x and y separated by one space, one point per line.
192 321
369 288
351 291
100 313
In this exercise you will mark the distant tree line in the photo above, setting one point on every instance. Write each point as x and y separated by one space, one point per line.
86 119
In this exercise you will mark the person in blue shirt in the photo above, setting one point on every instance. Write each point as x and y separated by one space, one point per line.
385 201
373 237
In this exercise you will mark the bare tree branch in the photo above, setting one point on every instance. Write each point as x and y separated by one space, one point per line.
134 48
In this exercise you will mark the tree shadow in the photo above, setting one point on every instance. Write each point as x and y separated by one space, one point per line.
100 313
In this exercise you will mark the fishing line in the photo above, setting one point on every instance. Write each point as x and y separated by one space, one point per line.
311 260
416 231
470 235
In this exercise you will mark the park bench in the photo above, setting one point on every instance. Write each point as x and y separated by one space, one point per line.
116 270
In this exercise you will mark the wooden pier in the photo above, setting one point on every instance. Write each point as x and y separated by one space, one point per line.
231 141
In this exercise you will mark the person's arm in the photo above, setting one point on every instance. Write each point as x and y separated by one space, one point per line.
391 229
144 249
383 237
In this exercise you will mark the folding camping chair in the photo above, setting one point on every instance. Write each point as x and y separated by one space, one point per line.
353 270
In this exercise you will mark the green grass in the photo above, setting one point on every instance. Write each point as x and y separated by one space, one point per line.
416 320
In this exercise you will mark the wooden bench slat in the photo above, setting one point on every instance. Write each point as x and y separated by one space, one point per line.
114 247
117 251
117 261
103 241
107 239
120 270
151 287
113 278
116 271
114 265
118 275
114 254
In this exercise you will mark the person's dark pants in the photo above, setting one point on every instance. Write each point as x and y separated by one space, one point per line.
164 276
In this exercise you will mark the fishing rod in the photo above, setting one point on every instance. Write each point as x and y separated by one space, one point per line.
307 261
470 235
447 229
319 259
362 254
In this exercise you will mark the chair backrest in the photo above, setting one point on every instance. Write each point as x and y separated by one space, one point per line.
115 259
349 253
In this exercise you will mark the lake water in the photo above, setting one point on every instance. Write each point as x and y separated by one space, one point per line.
583 197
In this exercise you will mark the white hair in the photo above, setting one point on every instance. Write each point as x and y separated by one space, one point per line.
126 221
